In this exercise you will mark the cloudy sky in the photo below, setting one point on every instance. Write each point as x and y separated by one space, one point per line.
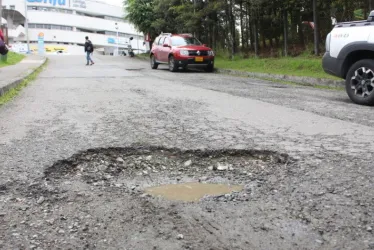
114 2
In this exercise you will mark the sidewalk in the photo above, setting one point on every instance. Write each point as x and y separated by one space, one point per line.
11 76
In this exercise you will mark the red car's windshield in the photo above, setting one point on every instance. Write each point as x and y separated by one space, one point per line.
181 41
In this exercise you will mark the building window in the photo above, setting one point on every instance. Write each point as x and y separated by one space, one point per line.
49 26
117 19
40 8
111 33
84 30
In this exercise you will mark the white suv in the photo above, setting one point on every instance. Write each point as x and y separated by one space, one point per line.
350 55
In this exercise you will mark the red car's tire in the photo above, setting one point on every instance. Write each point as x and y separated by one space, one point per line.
154 64
173 67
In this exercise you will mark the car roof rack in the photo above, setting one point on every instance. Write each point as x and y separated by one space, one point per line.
165 34
185 34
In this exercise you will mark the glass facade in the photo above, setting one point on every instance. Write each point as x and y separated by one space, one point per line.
61 27
42 8
49 26
111 35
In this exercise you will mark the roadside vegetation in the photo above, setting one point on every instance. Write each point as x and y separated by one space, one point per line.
253 27
9 95
280 37
12 58
308 66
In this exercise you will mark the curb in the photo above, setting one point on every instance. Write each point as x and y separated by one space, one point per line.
302 80
308 81
17 81
142 58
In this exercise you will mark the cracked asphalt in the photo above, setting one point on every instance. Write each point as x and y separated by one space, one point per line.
322 199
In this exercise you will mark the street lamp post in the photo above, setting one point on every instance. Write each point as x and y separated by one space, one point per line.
1 13
117 40
194 12
27 28
138 37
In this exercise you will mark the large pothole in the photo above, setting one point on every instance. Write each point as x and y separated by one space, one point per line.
223 175
108 198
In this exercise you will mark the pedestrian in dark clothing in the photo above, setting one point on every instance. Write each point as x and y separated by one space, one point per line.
3 47
88 48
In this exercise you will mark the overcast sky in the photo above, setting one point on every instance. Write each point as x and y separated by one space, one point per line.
114 2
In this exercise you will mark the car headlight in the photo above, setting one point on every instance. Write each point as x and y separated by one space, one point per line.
184 52
210 53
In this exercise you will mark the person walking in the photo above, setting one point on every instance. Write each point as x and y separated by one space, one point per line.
3 47
2 35
88 48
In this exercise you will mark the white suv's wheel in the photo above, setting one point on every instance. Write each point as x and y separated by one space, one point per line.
360 82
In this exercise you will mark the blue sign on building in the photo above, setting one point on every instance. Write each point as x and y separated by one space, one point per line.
51 2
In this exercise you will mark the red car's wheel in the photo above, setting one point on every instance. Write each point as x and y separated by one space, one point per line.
173 67
154 64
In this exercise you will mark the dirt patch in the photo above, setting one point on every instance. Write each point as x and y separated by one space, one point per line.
97 199
137 169
192 191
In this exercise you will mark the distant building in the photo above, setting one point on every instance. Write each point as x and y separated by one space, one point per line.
65 23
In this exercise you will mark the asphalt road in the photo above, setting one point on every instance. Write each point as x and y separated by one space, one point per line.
327 197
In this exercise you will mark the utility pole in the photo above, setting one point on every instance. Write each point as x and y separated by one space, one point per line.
27 28
285 32
194 13
138 41
316 28
117 40
1 13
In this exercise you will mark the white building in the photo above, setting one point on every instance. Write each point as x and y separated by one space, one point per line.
66 23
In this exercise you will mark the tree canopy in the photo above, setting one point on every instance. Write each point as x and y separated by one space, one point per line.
249 26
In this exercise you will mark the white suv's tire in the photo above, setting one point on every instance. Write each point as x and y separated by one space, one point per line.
360 82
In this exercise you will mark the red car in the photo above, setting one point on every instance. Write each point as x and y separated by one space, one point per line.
181 51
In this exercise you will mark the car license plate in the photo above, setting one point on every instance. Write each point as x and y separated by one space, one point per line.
199 59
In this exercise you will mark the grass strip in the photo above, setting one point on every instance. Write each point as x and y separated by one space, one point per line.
307 66
12 93
11 59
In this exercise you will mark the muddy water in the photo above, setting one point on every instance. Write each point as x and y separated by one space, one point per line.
191 191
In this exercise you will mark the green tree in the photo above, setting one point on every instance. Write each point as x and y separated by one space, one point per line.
253 26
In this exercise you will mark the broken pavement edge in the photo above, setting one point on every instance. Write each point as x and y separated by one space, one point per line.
13 83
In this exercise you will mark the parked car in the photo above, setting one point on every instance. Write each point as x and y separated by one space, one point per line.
181 51
350 55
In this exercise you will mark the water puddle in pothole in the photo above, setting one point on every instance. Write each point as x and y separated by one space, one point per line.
191 191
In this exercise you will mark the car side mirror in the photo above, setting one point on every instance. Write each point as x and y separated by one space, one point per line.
166 45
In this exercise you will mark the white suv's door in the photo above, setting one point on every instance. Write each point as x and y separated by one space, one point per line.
343 36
